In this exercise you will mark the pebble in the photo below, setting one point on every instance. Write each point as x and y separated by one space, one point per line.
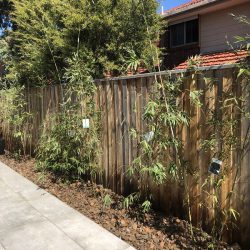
156 240
123 223
162 244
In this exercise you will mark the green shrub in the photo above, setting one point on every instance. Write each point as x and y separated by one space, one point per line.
66 148
15 119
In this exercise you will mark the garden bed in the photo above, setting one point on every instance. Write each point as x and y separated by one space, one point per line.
144 231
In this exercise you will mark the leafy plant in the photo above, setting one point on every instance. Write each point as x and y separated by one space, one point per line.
130 200
15 119
132 61
107 201
146 206
48 32
65 148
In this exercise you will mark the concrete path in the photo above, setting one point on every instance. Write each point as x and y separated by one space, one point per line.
32 219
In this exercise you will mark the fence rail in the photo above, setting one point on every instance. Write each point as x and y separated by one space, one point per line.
122 102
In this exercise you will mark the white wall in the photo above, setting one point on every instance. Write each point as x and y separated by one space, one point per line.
216 26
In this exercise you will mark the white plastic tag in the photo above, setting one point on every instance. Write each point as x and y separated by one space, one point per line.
149 136
85 123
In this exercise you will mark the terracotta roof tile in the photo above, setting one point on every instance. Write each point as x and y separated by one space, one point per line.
219 58
182 6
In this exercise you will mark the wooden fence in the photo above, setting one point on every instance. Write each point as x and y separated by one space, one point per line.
122 102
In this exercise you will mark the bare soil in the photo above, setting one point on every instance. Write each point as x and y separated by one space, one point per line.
143 231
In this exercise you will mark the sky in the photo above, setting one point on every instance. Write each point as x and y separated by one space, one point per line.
167 4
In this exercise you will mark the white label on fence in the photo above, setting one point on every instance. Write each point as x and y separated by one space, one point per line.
149 136
85 123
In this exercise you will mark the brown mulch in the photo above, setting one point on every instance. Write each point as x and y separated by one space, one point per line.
143 231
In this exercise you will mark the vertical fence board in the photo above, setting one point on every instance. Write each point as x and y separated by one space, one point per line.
105 134
109 133
201 85
125 135
120 138
133 118
244 182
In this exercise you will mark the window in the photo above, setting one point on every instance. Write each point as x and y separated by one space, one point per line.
192 31
177 34
184 33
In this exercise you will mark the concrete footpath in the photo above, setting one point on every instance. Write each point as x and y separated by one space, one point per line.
32 219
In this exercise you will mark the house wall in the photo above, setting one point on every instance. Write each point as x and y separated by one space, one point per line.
218 27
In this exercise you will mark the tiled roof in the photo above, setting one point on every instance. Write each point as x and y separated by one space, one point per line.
215 59
183 6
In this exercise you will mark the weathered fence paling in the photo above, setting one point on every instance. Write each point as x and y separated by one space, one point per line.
122 102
